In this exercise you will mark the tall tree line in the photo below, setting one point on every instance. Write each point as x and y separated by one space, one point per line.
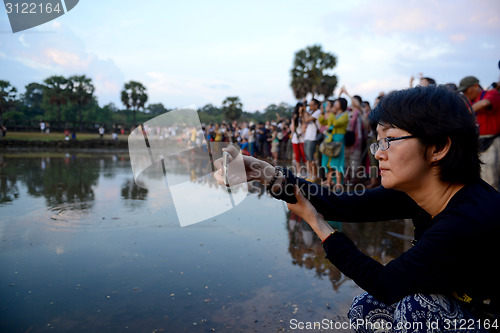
61 100
71 99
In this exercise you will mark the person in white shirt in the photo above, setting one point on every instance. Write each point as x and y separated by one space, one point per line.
310 143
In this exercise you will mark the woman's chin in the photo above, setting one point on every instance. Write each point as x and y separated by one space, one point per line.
386 182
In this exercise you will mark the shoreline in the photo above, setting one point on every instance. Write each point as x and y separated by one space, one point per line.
94 145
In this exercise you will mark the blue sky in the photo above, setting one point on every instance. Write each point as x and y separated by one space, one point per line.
199 52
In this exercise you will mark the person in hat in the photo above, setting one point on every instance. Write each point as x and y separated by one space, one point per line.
486 106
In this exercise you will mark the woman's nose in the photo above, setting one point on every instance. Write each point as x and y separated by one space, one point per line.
380 154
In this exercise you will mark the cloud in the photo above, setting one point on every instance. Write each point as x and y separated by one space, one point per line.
37 55
380 45
456 38
65 59
162 86
429 16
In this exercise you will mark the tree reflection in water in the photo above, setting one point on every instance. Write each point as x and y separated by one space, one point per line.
383 241
134 195
66 182
8 187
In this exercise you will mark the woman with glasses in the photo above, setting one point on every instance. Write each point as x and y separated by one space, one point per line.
430 172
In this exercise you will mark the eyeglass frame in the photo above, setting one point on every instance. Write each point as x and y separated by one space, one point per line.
388 140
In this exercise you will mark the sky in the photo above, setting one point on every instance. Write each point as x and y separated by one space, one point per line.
200 52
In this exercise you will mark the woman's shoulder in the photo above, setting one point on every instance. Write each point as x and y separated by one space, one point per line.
343 115
481 194
476 204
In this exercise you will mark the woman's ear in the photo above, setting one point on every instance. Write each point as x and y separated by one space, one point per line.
439 152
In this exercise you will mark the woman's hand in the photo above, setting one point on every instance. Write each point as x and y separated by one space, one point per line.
254 169
304 208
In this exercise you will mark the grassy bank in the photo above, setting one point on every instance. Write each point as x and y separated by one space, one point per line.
37 136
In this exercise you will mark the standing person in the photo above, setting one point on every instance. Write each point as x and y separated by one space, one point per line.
486 106
101 132
42 126
192 139
428 153
244 131
424 81
354 152
336 121
297 136
371 163
285 140
310 141
275 144
261 140
217 133
251 138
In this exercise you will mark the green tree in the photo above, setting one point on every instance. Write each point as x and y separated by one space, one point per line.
80 93
7 97
56 92
232 108
312 72
32 100
210 114
156 109
282 110
134 96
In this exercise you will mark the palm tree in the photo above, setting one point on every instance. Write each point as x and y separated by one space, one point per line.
7 97
33 96
55 90
232 108
80 92
311 72
134 96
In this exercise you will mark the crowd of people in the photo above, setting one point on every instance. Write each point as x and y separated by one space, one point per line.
294 142
306 141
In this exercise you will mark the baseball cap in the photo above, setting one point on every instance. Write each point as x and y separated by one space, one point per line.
467 82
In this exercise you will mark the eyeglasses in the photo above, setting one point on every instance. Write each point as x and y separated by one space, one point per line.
383 144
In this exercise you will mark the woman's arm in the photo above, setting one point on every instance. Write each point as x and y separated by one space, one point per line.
322 120
341 122
308 117
306 210
361 206
354 102
433 265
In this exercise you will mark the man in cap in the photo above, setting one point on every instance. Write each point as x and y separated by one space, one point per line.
486 106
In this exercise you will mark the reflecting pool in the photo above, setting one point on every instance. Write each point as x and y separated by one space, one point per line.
83 249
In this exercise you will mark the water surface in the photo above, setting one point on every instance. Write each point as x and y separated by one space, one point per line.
83 249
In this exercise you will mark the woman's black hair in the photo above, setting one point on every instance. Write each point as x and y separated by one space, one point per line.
433 114
430 80
295 115
343 103
297 107
358 98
